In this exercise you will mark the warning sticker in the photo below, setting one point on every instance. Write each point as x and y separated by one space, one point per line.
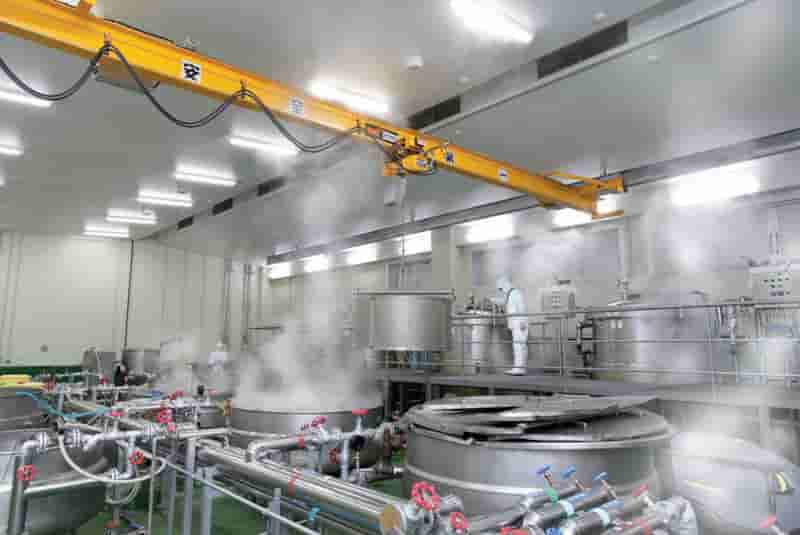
389 137
449 158
502 174
191 72
297 106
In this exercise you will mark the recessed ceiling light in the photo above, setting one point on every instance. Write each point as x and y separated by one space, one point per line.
415 63
316 263
182 200
19 98
263 146
464 80
599 17
106 231
7 150
568 217
483 17
184 174
144 217
353 100
714 185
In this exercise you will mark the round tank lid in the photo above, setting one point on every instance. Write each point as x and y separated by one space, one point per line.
537 418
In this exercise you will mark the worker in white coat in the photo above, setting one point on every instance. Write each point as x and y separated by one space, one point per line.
514 302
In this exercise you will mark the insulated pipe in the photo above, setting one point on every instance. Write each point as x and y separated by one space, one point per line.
50 489
257 447
356 492
295 484
523 507
552 514
595 520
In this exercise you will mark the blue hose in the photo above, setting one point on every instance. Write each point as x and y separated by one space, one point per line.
45 406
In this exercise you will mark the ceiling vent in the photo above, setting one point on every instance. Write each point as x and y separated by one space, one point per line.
436 113
222 207
586 48
270 186
185 223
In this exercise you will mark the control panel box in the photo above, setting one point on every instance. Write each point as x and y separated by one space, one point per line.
775 281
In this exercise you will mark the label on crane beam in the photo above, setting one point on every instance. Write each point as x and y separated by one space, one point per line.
297 106
191 72
502 174
389 137
449 158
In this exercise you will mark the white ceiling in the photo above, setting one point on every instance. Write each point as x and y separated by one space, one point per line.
727 80
95 150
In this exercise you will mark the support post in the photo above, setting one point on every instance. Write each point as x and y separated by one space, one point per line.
188 485
206 504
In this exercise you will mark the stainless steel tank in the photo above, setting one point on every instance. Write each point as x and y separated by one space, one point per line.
59 513
397 320
487 450
141 361
485 341
643 346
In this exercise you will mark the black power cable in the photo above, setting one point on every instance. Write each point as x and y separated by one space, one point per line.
203 121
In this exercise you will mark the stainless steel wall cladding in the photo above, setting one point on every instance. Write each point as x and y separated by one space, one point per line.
672 345
487 450
402 320
58 513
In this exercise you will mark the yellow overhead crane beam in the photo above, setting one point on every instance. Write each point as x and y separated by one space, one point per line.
76 30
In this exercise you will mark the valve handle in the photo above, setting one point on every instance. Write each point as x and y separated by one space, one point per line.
136 458
425 497
459 522
26 473
543 470
768 522
318 421
115 414
175 395
164 416
602 476
360 412
640 491
569 472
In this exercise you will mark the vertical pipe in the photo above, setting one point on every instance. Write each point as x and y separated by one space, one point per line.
172 484
18 506
344 461
128 300
387 399
207 508
188 485
151 497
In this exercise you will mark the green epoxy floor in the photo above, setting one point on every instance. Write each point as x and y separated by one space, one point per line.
229 518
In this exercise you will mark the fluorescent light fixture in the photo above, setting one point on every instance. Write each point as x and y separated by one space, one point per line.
162 198
481 16
363 254
146 217
20 98
715 185
352 100
183 174
568 217
319 262
106 231
416 243
280 271
7 150
490 229
263 146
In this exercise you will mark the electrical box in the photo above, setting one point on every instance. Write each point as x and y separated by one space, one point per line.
560 297
775 281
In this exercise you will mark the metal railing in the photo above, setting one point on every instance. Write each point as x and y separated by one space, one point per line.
740 344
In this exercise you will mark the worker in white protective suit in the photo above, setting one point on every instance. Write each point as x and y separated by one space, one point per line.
218 358
514 302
